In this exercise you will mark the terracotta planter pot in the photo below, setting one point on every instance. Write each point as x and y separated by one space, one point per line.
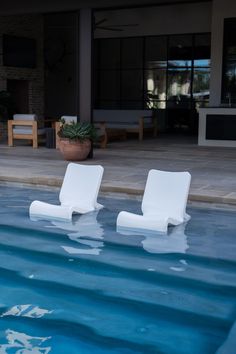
74 150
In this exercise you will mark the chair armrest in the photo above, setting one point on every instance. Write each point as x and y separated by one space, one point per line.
22 122
141 121
102 127
57 128
154 122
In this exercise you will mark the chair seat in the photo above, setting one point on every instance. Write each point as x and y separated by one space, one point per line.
27 130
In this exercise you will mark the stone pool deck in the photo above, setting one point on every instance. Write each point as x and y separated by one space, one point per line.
126 166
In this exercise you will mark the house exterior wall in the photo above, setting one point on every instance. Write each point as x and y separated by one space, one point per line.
29 26
220 11
171 19
60 64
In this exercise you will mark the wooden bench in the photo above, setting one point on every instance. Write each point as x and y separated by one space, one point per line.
120 122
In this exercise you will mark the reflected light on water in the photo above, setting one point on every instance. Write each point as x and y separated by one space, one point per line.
26 311
85 225
21 343
173 242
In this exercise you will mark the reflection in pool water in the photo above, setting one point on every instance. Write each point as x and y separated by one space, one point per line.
21 343
26 311
82 226
173 242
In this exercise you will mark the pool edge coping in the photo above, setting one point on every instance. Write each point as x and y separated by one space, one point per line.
106 188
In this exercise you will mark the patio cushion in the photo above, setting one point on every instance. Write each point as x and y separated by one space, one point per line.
27 130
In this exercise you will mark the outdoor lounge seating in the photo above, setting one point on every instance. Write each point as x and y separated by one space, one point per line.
164 202
78 193
24 126
120 122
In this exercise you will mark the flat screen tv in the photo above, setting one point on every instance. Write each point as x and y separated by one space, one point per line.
19 52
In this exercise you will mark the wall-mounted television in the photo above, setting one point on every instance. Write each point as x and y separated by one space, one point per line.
19 52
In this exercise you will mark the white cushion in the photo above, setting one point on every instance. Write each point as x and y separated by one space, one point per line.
121 125
69 119
25 117
121 115
27 130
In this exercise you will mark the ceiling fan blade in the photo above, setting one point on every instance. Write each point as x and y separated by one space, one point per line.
109 29
100 22
128 25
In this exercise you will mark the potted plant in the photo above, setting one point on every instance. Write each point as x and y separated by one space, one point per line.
75 140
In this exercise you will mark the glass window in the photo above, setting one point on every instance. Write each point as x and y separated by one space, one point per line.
132 85
154 104
155 85
180 50
109 57
229 62
108 105
179 85
156 52
202 50
132 53
201 83
109 85
158 72
131 104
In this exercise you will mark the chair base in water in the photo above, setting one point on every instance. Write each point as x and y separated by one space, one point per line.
45 210
156 223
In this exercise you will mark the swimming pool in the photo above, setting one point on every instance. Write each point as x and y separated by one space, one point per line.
82 287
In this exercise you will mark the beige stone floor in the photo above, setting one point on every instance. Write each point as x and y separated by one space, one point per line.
127 163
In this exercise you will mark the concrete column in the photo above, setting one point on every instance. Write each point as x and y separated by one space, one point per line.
85 65
220 11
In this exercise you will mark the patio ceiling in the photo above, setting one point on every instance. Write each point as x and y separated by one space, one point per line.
39 6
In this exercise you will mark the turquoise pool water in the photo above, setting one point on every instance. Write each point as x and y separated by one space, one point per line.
82 288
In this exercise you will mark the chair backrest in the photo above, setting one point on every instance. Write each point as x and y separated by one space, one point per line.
69 119
166 193
25 117
81 185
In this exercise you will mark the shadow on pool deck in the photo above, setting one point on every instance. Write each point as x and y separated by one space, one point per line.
127 163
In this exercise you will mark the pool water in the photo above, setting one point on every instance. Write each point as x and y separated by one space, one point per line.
83 287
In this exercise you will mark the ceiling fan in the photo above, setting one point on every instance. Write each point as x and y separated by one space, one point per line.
119 27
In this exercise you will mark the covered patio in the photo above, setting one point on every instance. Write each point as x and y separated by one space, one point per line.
127 163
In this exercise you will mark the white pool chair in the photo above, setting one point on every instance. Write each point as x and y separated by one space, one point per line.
78 193
164 202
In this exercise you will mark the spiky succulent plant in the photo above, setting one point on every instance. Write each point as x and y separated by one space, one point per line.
77 131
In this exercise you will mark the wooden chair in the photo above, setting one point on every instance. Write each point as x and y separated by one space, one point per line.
24 126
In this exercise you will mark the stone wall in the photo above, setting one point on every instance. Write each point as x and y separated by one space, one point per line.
29 26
